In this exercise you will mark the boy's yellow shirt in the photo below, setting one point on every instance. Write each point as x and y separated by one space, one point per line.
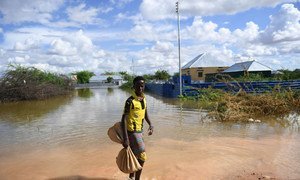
136 114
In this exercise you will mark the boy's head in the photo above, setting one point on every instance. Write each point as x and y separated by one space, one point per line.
139 85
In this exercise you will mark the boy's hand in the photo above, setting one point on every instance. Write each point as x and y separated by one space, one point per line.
125 143
150 130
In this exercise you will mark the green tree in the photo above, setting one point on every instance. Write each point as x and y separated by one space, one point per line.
84 76
289 75
176 74
108 73
162 75
125 76
109 79
149 77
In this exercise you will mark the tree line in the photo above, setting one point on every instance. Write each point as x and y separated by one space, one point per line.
85 76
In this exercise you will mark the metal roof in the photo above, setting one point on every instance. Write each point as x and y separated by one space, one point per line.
104 78
205 60
247 66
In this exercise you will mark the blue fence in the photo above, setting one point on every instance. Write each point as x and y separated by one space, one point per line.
250 87
171 90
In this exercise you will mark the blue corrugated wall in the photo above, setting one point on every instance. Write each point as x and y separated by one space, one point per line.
171 90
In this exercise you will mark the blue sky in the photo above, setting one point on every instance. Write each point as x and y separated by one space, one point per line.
108 35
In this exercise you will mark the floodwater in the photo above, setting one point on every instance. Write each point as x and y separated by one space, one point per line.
66 138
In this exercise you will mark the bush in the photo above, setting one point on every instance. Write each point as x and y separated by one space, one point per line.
241 106
26 83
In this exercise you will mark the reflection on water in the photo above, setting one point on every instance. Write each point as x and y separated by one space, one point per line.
26 111
85 93
77 125
110 91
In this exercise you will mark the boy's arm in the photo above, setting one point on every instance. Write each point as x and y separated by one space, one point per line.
124 128
150 130
124 123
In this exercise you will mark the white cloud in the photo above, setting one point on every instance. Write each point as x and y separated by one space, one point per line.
76 43
15 11
143 31
99 54
63 48
29 44
260 50
19 59
209 32
120 3
286 61
164 47
249 34
284 26
2 52
281 36
82 14
37 34
82 42
200 30
162 9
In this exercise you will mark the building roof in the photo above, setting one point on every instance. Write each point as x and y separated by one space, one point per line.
205 60
247 66
104 78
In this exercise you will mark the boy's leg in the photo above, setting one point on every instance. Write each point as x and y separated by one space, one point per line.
139 172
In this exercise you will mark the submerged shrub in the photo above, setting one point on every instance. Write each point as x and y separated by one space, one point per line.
27 83
242 106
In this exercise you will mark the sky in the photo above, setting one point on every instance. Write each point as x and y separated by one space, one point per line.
141 36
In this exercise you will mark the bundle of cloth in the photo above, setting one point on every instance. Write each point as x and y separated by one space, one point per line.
126 160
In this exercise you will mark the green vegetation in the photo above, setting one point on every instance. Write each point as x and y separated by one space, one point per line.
254 77
288 75
108 73
85 93
84 76
26 83
205 98
162 75
282 75
159 75
109 79
128 78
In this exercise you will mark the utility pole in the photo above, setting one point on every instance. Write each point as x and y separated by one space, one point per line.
178 25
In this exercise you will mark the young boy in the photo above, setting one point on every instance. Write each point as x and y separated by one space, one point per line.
135 112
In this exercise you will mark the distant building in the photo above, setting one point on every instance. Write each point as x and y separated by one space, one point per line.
103 79
250 67
202 65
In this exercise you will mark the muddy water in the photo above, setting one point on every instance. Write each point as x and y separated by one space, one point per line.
65 138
